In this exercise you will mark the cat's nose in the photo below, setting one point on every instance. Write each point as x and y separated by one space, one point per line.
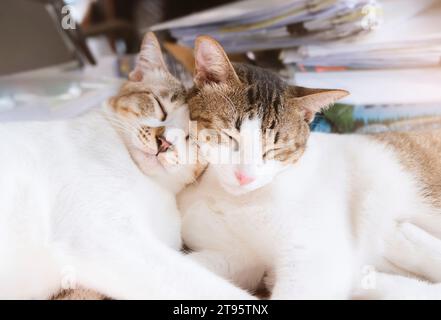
243 178
163 144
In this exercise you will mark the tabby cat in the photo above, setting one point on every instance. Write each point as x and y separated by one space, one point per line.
307 213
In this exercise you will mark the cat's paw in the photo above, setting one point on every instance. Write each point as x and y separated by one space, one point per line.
395 287
381 288
415 250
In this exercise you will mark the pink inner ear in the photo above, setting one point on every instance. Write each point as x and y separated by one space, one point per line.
210 63
135 75
203 58
309 115
150 58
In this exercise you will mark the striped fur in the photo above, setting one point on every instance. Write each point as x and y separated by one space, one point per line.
258 93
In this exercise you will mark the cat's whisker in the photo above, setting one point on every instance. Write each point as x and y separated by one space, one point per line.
124 129
124 126
116 120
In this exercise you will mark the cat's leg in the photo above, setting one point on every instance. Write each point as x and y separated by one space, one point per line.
301 275
313 260
218 248
241 268
395 287
162 273
415 250
27 273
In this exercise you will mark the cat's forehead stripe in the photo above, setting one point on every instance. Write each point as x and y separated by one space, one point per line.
264 93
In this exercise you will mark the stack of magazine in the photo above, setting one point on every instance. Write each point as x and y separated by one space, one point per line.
252 25
410 36
393 74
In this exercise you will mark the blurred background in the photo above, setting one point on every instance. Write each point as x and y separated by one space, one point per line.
60 58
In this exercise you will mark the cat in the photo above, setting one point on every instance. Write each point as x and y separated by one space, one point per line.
90 201
306 214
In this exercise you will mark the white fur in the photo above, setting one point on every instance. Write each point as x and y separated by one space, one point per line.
314 229
76 210
246 159
415 250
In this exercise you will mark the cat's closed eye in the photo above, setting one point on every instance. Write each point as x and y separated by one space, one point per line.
161 108
233 141
270 154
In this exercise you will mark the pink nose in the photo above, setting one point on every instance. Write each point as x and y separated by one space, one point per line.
163 144
243 178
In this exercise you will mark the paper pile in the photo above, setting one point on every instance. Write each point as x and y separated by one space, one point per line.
253 25
409 37
379 86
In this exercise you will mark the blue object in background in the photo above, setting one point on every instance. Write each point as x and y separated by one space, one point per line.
320 124
379 113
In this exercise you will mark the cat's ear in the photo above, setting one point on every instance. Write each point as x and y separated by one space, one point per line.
311 101
211 63
150 58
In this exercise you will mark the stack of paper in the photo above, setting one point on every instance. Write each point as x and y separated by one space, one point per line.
392 72
379 86
253 25
409 37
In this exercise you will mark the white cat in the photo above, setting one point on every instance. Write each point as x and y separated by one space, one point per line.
317 212
75 209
